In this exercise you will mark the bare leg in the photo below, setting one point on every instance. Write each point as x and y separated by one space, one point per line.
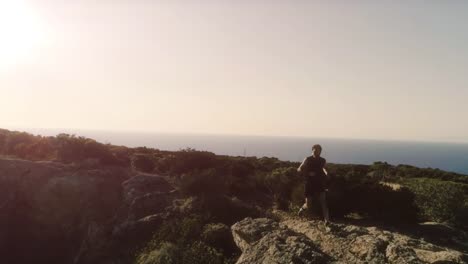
307 203
306 206
323 203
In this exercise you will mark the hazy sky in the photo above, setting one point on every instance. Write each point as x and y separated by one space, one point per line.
353 69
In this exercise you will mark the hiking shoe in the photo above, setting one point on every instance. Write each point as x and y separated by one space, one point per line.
329 226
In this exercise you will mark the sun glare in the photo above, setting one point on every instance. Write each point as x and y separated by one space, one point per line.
20 33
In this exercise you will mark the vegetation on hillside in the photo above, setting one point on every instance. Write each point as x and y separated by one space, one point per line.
230 188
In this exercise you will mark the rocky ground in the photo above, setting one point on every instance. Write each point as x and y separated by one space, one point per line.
296 240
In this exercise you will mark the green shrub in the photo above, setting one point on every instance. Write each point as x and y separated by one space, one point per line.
164 253
440 201
208 182
228 210
268 163
280 183
351 193
143 162
169 253
241 179
188 160
219 236
177 242
407 171
200 253
179 230
383 203
297 195
382 171
75 149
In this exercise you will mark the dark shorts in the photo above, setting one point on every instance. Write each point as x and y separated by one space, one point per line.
314 186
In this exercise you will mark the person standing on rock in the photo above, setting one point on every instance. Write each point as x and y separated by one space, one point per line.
315 174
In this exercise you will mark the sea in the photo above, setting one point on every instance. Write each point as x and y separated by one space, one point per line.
445 156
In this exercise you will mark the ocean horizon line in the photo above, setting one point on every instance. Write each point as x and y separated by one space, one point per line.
447 156
76 131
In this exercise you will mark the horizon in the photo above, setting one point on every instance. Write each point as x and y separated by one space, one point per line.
76 131
447 156
324 69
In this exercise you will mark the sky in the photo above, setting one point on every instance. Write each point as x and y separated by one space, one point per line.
347 69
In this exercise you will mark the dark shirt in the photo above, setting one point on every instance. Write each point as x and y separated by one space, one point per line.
315 177
313 167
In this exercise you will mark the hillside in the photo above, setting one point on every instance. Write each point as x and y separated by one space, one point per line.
69 199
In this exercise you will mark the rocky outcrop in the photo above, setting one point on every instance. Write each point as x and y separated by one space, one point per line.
357 244
262 239
57 213
146 200
46 207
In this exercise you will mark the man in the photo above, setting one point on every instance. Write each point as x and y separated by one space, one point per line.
314 172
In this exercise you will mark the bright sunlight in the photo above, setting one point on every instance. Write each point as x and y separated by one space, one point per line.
21 33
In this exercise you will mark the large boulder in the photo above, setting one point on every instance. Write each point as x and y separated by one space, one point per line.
249 231
346 243
264 241
293 240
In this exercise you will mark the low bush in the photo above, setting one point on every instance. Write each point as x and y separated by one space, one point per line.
201 183
281 183
169 253
188 160
352 194
143 162
440 201
177 241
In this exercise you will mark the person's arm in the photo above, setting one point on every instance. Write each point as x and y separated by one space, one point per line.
325 169
301 167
